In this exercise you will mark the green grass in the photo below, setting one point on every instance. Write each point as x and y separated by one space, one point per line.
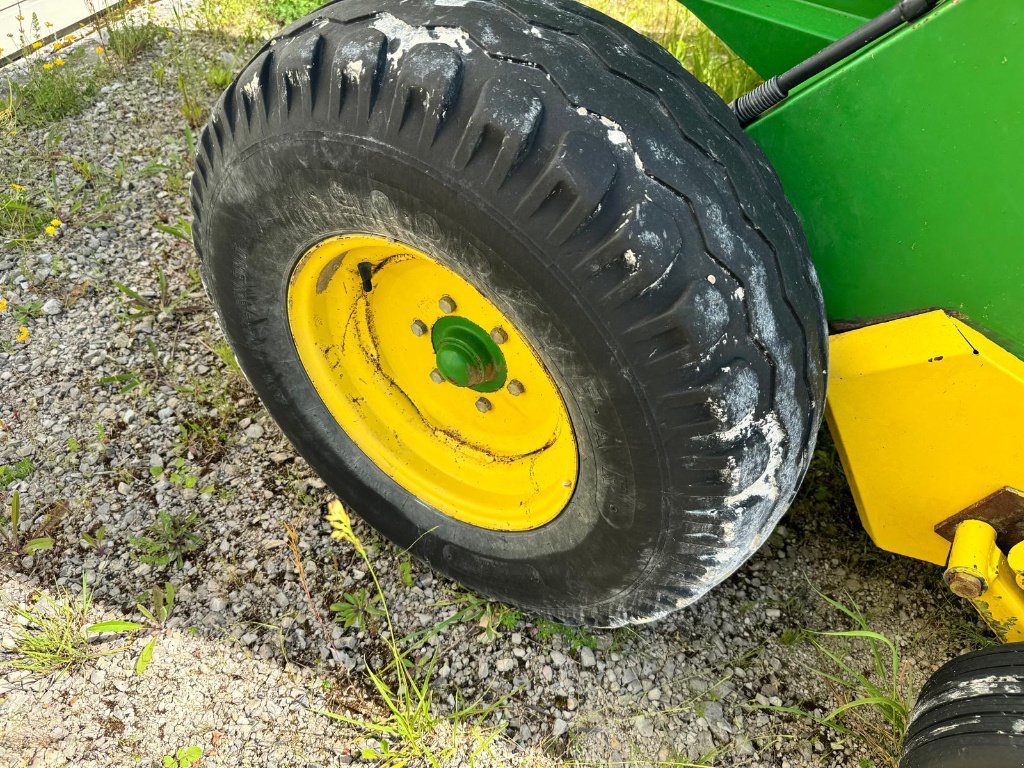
287 11
413 731
53 91
865 672
128 39
54 633
684 36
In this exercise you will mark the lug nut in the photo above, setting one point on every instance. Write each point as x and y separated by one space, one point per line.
965 585
515 388
498 335
447 304
436 377
483 405
418 328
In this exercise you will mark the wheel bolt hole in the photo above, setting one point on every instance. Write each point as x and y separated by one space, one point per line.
447 304
419 328
498 335
483 404
516 388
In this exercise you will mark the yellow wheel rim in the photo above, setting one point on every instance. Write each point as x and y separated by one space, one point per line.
432 382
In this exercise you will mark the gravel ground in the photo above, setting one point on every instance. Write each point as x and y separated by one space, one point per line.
102 392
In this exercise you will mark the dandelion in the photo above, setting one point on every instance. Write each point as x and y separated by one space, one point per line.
47 65
17 187
22 334
59 62
36 45
57 46
69 39
51 230
56 223
99 49
3 304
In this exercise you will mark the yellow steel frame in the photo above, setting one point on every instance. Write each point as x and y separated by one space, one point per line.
928 417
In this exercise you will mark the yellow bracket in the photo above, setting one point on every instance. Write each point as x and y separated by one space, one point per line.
978 571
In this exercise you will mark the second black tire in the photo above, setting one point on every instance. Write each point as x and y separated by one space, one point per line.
602 198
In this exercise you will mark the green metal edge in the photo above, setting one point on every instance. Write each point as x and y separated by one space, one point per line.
774 35
906 166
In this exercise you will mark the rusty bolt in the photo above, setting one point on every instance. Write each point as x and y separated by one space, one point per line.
436 377
418 328
447 304
965 585
483 405
516 388
498 335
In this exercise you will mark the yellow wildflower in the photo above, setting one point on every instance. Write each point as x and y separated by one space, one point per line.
22 333
57 46
56 223
51 230
49 24
47 65
341 525
36 45
20 18
3 304
99 49
17 187
69 39
59 62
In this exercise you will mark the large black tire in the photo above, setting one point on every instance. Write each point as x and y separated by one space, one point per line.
970 713
606 202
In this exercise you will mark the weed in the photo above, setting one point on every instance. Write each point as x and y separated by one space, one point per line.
51 92
12 546
185 757
287 11
413 728
357 609
96 541
874 702
181 230
575 637
170 538
161 603
52 635
19 470
405 571
23 215
163 303
218 76
181 475
129 39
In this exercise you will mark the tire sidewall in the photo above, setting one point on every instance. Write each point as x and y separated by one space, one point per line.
605 538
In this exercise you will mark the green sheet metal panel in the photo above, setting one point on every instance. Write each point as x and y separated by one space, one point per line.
906 165
773 35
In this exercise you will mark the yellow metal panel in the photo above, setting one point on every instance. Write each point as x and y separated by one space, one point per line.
928 416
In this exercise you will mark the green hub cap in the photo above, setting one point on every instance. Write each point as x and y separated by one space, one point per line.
467 356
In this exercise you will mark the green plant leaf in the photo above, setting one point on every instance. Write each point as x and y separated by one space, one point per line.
38 545
114 626
145 657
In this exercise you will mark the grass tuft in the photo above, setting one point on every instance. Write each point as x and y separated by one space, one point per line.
413 731
51 636
865 671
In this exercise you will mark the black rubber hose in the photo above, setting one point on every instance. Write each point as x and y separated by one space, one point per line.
767 95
